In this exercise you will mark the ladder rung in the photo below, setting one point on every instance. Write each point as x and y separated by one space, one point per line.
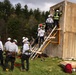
54 42
39 52
58 29
52 37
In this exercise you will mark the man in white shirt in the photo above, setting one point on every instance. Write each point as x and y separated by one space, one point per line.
49 22
12 50
13 46
1 52
41 34
6 46
25 55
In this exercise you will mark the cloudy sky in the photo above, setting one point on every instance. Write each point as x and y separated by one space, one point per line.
43 5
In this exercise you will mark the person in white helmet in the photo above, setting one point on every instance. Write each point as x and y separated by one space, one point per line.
49 22
23 38
56 17
6 46
41 34
22 44
25 55
13 50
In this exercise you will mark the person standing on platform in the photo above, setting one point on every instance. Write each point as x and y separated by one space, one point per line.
56 17
41 35
49 22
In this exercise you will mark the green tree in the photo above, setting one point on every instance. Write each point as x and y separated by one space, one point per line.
18 9
2 30
31 26
46 14
26 12
17 22
37 14
43 17
6 9
14 28
1 10
30 12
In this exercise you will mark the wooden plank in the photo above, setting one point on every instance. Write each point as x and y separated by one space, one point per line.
71 18
65 45
73 63
69 50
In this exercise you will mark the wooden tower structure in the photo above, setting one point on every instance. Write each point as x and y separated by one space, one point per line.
64 43
66 46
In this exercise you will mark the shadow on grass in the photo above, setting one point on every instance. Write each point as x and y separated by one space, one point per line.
18 65
62 67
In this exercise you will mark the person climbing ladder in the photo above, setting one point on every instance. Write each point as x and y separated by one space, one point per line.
56 17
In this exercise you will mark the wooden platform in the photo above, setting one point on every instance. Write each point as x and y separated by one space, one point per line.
73 63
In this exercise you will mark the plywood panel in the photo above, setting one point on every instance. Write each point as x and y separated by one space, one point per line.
68 18
69 50
65 46
71 18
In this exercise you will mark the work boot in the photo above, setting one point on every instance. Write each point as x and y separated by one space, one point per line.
23 70
7 69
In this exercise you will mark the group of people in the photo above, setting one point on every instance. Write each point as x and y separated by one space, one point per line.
53 20
10 49
44 30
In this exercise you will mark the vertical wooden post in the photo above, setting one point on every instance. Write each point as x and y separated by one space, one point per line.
59 35
64 29
65 14
65 1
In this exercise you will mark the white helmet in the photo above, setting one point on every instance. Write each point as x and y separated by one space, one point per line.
57 10
9 38
51 15
15 40
23 38
26 39
38 28
48 15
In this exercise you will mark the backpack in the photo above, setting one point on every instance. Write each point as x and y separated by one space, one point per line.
68 68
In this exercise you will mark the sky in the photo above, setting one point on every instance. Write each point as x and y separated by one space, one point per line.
43 5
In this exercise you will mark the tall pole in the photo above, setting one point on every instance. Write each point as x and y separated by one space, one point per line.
65 11
65 2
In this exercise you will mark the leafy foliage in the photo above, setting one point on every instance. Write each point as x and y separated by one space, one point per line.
17 22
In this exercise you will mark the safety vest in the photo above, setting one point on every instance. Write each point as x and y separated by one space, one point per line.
56 16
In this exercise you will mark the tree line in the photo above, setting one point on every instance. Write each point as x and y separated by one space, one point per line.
16 22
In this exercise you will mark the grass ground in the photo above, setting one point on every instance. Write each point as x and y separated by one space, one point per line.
37 67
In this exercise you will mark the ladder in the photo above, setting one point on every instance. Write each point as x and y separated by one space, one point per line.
33 55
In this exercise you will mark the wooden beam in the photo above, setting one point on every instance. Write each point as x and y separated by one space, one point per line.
59 36
54 42
65 10
65 1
